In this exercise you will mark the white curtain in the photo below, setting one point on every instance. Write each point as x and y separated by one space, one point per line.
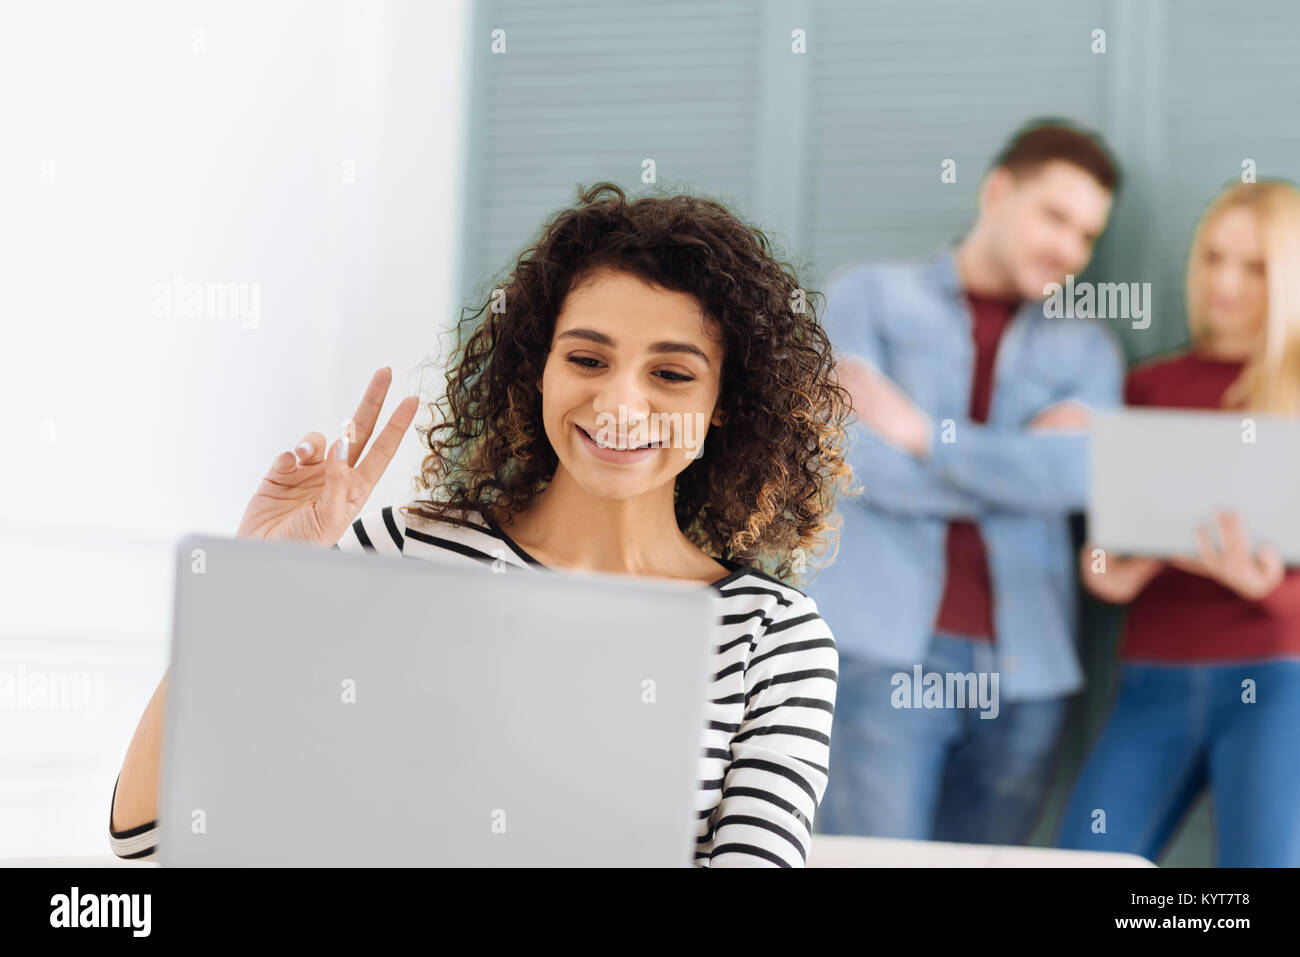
292 169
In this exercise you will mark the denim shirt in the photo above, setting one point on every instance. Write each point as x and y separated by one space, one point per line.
881 594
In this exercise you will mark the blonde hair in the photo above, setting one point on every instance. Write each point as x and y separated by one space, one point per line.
1270 381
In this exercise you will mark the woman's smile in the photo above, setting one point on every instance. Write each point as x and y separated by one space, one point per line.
612 453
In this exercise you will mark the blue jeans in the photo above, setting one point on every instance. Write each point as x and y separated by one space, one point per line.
1174 730
943 774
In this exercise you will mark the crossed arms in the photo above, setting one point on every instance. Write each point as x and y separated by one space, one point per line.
908 468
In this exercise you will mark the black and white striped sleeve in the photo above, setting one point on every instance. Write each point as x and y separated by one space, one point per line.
381 531
781 752
136 843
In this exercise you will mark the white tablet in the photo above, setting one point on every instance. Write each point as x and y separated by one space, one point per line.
1157 473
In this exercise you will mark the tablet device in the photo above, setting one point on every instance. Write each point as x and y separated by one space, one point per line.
1158 473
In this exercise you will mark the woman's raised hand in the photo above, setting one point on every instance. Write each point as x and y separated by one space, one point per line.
1252 575
314 495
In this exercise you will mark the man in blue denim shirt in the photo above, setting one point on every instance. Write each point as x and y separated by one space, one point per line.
971 447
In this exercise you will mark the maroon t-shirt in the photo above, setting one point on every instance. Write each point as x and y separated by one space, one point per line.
967 605
1183 617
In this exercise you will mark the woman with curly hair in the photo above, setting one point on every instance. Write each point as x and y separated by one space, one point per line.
648 393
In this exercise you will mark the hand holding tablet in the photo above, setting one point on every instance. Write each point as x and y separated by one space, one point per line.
1251 574
1161 479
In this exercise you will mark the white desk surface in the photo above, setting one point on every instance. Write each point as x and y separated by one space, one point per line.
835 851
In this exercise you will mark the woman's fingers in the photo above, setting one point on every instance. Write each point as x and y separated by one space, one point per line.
306 452
333 514
385 447
311 449
283 464
1270 562
367 414
1235 546
320 473
1209 556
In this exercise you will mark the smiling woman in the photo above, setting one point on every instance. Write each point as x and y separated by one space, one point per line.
656 310
670 320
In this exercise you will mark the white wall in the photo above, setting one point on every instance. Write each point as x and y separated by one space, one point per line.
307 150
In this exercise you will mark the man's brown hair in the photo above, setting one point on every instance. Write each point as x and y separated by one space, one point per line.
1044 140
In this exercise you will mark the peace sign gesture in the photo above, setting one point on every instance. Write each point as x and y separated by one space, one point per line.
313 496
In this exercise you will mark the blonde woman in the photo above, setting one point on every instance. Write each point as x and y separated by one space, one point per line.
1197 629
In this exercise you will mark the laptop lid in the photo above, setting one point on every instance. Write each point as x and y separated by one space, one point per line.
327 708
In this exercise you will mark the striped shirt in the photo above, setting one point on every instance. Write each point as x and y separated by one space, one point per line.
766 740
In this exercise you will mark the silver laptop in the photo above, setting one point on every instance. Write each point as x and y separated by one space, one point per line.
1157 473
340 709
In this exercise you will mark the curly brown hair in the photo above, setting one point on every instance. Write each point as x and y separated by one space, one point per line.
763 492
